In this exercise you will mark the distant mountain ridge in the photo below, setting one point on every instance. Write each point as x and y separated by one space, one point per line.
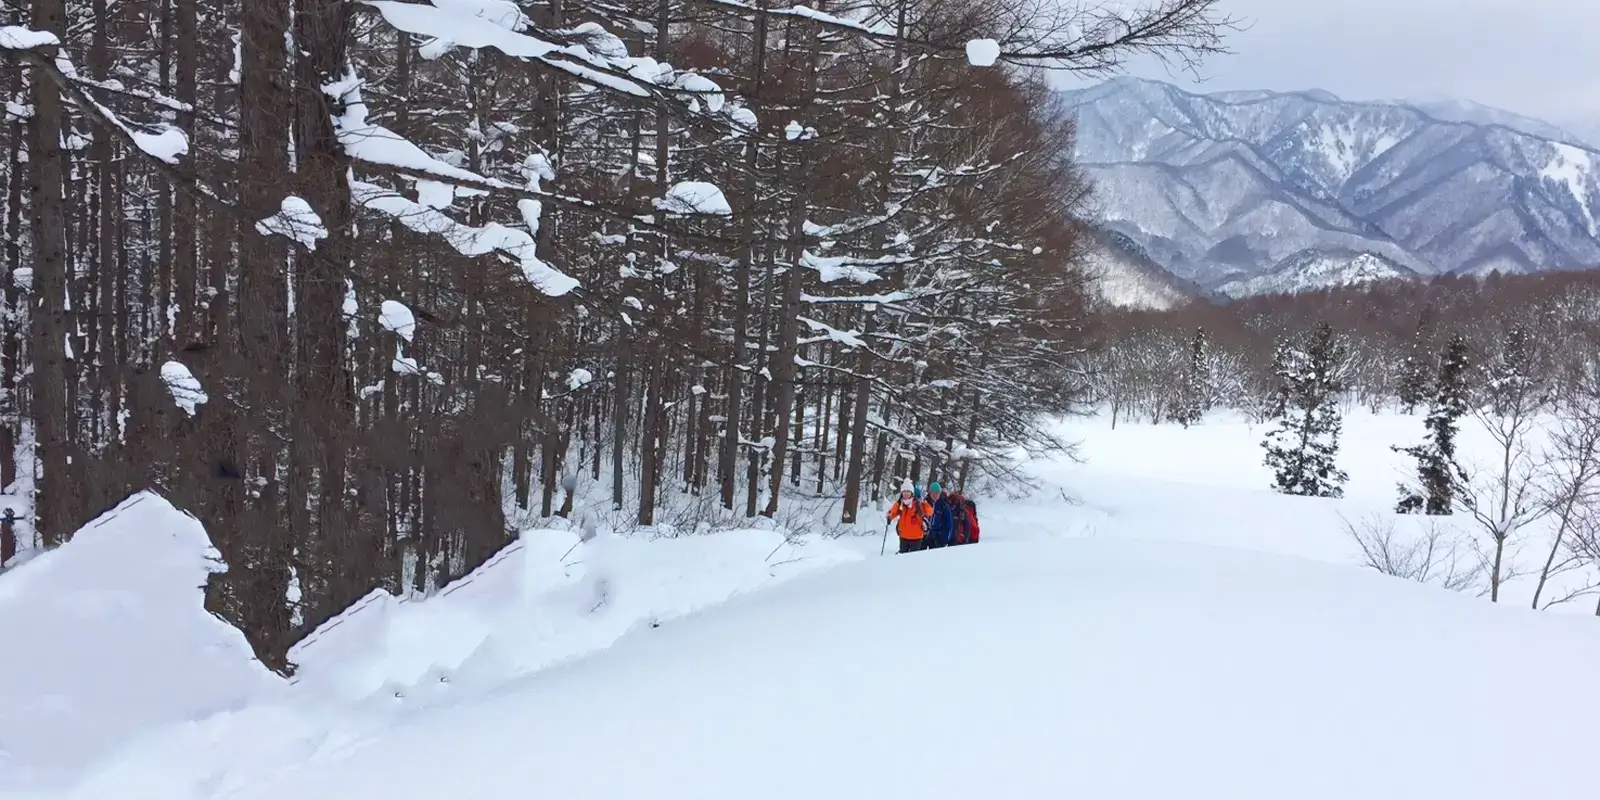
1248 191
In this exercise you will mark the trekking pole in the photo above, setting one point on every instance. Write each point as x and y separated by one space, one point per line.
885 547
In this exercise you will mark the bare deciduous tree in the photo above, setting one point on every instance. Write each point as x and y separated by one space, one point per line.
1438 556
1571 490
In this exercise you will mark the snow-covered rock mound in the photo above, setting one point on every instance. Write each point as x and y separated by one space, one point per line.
1071 668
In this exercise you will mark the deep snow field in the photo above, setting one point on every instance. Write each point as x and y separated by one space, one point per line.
1153 623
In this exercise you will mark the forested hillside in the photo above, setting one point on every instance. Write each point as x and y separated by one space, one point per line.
363 285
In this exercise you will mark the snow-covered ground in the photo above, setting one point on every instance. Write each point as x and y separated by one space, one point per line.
1152 623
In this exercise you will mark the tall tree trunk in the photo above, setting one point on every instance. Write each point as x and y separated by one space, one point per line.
56 504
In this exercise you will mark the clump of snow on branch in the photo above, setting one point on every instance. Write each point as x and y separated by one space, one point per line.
531 212
376 144
366 141
599 57
743 117
794 131
703 88
396 317
579 378
436 194
184 386
16 37
295 220
983 52
851 339
536 169
466 239
869 23
166 144
406 365
834 268
695 197
596 39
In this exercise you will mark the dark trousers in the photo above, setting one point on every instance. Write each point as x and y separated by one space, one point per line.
912 545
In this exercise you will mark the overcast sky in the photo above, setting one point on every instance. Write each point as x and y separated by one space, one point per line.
1535 57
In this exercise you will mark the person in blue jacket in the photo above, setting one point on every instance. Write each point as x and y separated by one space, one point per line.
941 524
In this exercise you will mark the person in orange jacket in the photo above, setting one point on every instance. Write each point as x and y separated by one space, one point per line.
909 513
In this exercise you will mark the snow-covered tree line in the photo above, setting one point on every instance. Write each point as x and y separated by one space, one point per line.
364 285
1395 333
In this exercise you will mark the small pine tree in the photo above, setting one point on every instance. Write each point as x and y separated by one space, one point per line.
1413 388
1416 369
1437 471
1303 448
1196 387
1513 381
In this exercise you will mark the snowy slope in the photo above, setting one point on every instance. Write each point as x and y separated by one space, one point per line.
1225 186
115 680
1125 276
1087 668
1153 623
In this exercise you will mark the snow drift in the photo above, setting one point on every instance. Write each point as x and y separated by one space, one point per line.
108 637
115 682
1082 668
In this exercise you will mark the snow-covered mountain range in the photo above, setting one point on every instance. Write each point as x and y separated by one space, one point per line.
1256 191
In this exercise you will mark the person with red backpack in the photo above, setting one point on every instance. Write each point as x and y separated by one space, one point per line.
964 513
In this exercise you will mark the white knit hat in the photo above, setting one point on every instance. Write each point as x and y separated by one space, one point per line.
905 486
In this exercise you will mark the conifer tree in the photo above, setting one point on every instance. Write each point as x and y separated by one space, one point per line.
1195 391
1417 367
1302 449
1437 472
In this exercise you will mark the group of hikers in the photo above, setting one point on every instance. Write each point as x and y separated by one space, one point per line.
936 519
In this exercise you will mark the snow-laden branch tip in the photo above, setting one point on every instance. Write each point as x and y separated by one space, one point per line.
600 58
850 339
794 131
396 317
695 197
185 388
466 239
833 268
16 37
295 220
366 141
164 145
867 300
376 144
406 365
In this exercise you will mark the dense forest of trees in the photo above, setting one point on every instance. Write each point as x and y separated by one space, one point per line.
366 285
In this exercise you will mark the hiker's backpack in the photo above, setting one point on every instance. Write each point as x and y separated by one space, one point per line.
972 521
